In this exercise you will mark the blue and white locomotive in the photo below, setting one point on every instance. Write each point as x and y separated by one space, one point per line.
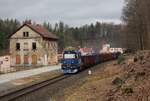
71 62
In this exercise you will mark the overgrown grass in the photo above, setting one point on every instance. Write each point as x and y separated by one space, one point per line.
121 59
127 90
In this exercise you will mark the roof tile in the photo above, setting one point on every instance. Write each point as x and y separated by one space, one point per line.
42 31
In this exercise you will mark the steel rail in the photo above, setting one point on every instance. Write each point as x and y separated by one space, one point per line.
23 91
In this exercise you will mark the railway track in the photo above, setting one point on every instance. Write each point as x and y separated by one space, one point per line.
21 92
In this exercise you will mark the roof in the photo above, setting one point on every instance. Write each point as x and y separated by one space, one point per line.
71 51
86 49
40 30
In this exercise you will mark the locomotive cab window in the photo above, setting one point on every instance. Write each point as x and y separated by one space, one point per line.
69 56
79 55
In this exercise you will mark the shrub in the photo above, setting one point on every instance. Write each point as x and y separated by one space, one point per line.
117 81
121 59
127 90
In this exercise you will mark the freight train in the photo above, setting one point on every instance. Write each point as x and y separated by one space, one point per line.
73 61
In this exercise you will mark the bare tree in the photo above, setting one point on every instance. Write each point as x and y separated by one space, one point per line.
136 18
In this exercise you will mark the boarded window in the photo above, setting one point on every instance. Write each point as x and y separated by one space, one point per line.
18 59
34 59
26 59
17 46
26 46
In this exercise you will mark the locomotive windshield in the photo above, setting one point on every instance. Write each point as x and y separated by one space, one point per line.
70 56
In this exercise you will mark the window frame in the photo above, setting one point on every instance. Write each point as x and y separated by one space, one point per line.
26 34
26 46
34 46
18 46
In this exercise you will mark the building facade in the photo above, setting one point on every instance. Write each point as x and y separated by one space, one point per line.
4 62
33 45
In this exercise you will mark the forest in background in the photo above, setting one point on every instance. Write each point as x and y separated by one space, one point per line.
136 20
133 33
93 35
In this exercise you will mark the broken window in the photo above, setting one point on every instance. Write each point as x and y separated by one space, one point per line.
34 45
17 46
25 34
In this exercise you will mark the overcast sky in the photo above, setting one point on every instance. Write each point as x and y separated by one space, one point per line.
72 12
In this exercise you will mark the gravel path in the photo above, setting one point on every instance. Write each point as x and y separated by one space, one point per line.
27 73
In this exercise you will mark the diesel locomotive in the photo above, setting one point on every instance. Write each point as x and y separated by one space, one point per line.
73 61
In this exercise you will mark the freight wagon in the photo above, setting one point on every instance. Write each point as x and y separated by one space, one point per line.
73 61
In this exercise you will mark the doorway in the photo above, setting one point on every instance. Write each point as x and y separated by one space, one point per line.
26 59
34 59
18 59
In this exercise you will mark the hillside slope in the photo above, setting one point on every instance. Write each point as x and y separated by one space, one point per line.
128 81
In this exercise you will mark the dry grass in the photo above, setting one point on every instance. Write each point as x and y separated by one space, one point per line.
95 86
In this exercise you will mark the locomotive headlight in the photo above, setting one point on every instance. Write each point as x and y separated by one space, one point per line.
71 66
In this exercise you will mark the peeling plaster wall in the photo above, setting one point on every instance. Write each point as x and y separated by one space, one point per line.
4 61
46 51
51 50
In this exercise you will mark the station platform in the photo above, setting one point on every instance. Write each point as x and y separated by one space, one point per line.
27 78
27 73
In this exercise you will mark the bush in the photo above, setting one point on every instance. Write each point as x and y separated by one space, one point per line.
117 81
127 90
121 59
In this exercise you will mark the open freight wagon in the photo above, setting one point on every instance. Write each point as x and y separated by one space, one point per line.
73 61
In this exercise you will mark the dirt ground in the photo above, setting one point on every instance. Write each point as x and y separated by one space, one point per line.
128 81
109 81
96 85
77 87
